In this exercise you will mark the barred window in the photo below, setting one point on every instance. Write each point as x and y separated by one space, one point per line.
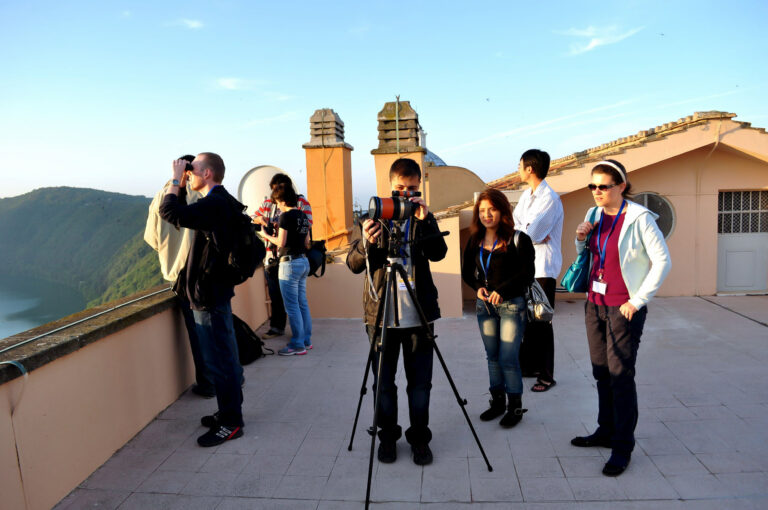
660 206
742 212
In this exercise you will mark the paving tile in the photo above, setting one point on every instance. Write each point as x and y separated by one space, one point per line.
265 504
168 482
686 464
301 487
730 462
596 489
186 460
546 489
109 478
262 463
745 484
538 467
644 487
496 489
582 466
211 484
138 458
699 486
92 498
139 501
311 465
256 486
225 463
446 481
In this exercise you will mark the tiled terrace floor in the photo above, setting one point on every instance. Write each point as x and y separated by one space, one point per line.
702 438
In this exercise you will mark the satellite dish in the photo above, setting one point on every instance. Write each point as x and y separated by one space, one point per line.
254 186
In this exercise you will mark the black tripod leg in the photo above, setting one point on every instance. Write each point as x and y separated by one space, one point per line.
363 388
425 324
363 391
377 397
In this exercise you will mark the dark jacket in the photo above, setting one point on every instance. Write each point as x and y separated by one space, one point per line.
432 249
511 269
203 280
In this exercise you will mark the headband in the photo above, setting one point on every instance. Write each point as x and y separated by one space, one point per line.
614 165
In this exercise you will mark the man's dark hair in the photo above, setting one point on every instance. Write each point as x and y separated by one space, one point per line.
215 163
538 160
280 179
188 158
284 192
404 167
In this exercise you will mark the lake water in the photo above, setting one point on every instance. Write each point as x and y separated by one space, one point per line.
26 303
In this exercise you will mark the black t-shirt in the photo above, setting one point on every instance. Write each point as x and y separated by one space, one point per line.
296 225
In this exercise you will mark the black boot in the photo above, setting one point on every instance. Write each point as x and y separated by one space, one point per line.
497 406
514 411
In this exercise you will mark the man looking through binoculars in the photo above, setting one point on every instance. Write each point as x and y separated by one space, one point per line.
374 251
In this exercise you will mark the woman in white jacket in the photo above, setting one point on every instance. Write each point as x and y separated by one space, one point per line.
629 261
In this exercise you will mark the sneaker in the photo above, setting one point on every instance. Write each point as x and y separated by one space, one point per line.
616 464
290 351
422 455
308 347
591 441
203 392
387 452
272 333
210 421
219 435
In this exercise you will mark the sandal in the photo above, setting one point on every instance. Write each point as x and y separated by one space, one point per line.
542 386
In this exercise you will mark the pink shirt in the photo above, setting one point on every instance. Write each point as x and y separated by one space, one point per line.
616 293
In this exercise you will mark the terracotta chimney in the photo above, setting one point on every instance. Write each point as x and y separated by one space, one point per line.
329 178
398 138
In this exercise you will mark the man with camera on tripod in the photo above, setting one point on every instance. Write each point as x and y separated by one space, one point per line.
421 242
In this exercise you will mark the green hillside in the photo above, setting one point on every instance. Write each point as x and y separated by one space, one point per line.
86 239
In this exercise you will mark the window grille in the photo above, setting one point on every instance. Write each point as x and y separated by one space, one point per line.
742 212
660 206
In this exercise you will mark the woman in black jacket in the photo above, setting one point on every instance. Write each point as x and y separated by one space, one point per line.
499 268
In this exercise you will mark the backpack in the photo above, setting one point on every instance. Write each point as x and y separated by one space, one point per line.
316 258
249 345
248 251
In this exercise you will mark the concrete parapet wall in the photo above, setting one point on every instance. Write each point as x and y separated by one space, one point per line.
76 409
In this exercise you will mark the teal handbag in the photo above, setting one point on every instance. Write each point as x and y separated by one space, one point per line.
576 279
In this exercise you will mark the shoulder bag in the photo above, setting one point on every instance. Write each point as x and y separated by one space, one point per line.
539 307
576 279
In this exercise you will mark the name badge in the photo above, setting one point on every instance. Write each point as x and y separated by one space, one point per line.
401 284
599 287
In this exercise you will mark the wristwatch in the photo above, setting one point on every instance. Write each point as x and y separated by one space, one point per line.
175 182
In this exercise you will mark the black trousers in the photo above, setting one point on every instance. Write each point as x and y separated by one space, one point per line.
278 317
537 352
417 361
613 343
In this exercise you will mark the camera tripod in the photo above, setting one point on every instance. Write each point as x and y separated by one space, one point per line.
385 311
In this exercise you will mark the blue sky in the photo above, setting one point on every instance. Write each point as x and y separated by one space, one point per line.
106 94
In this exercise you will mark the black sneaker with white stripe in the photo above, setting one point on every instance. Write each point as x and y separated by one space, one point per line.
218 435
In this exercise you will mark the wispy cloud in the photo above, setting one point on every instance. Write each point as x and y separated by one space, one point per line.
257 86
283 117
126 14
192 24
550 125
596 37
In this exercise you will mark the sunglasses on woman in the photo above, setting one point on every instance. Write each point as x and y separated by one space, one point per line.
601 187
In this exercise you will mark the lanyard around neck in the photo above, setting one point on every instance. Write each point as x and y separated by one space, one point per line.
487 265
601 250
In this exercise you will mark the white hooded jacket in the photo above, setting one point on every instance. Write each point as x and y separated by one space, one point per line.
171 244
643 253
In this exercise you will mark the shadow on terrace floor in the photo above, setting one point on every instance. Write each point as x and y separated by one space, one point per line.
701 438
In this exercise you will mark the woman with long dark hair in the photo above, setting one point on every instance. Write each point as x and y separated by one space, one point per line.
629 261
498 265
292 240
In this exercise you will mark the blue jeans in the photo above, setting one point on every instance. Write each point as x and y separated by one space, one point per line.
293 286
203 376
502 331
219 350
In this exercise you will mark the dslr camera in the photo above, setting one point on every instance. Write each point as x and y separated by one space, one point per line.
397 208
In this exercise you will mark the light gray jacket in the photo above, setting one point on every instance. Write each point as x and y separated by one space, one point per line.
643 253
171 244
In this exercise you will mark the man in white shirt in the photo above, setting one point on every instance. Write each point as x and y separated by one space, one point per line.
540 215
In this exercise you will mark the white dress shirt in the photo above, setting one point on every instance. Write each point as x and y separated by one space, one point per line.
540 215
